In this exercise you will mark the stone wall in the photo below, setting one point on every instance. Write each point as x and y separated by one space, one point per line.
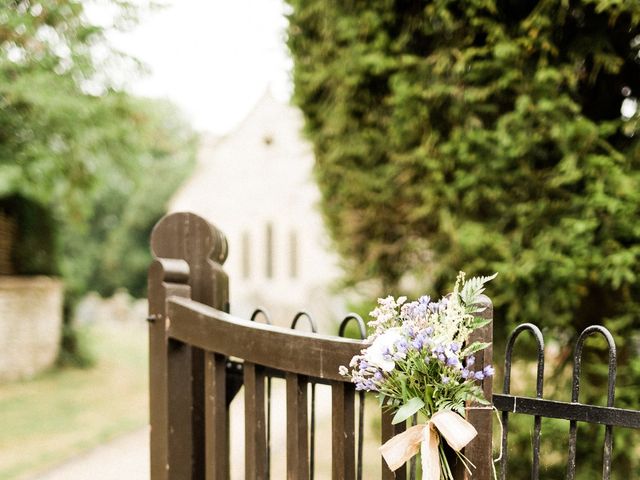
30 325
120 308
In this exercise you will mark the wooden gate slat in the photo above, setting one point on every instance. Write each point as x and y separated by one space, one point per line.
180 439
197 412
343 431
216 418
297 428
254 423
389 431
478 451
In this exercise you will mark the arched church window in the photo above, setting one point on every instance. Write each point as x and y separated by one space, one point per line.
246 255
293 254
269 251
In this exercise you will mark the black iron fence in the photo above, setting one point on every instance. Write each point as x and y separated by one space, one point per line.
538 407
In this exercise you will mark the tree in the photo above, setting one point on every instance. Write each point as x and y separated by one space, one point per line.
110 251
76 149
58 119
485 136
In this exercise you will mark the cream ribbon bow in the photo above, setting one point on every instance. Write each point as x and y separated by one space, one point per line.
455 430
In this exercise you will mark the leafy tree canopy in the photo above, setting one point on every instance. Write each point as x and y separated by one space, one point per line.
57 120
82 148
110 250
488 136
480 135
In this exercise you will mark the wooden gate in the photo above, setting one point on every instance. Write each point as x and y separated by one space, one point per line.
200 357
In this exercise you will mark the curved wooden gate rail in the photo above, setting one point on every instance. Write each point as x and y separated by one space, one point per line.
200 357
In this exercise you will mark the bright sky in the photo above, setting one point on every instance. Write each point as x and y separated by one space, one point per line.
214 58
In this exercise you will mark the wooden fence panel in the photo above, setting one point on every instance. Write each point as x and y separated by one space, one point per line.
216 418
192 385
343 431
180 399
388 431
297 428
255 423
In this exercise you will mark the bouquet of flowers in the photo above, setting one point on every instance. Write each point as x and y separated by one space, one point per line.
420 361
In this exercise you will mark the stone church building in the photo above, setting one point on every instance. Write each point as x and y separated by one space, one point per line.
256 185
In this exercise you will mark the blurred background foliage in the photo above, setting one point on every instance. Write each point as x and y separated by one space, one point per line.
488 136
85 167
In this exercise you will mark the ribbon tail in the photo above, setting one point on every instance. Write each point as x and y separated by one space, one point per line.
399 449
430 455
455 429
426 438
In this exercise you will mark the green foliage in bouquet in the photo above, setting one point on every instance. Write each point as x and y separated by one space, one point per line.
489 135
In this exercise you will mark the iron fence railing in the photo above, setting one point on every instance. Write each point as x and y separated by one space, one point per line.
573 411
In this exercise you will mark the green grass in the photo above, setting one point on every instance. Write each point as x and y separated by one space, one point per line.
63 412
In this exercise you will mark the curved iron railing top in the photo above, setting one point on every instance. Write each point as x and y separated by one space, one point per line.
573 411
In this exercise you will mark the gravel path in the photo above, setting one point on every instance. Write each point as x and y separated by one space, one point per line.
125 458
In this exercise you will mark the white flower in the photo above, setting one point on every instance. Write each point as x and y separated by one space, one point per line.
378 354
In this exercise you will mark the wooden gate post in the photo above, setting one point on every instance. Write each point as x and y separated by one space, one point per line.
166 277
189 253
479 451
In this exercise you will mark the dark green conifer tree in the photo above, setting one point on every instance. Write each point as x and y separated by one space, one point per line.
490 136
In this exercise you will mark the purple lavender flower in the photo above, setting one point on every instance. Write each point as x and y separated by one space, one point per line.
417 343
454 347
479 375
465 373
488 371
445 379
413 311
470 360
452 361
409 331
363 365
386 354
424 300
377 376
428 331
441 357
402 346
